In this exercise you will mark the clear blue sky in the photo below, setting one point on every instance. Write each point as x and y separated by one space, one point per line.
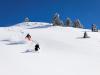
14 11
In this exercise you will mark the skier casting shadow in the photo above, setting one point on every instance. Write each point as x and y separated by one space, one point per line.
37 47
28 36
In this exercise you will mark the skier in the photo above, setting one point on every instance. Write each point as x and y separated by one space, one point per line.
37 47
28 36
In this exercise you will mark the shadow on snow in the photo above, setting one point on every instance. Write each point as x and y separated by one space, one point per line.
15 43
46 26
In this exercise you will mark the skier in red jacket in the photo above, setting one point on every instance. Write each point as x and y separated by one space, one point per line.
28 36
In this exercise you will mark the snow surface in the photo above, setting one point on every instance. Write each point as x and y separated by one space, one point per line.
63 50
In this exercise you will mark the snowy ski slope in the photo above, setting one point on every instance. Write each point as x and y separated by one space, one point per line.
63 51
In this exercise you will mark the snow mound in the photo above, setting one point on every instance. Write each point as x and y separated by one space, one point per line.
33 25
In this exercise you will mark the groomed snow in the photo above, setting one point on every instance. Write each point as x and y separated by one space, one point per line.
63 50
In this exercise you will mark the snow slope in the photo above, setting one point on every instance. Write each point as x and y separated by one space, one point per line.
63 50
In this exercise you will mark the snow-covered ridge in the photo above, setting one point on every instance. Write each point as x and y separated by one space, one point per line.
33 24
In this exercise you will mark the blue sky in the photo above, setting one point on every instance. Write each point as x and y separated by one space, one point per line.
14 11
